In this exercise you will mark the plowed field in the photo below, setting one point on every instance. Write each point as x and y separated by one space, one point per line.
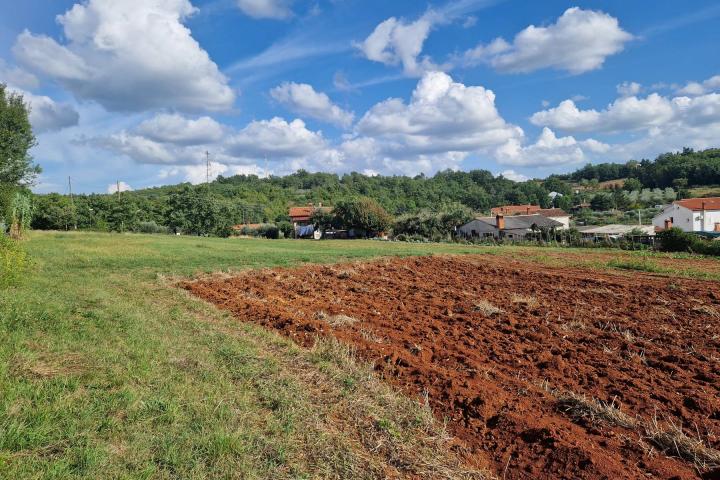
513 355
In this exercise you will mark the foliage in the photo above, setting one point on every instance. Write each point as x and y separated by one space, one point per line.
679 170
676 240
13 261
432 225
362 213
151 227
16 140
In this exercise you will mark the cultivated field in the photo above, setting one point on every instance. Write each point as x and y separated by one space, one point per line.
545 363
545 372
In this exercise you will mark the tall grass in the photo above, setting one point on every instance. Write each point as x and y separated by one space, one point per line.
13 261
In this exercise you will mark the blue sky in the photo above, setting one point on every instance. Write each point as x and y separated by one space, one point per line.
138 90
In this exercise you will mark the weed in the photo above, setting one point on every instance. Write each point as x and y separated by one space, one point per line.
487 308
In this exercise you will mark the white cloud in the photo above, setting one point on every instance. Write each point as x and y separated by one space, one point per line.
302 99
47 115
514 176
629 89
699 88
17 77
118 186
547 150
275 9
128 56
578 42
197 174
275 139
397 42
627 113
442 116
174 128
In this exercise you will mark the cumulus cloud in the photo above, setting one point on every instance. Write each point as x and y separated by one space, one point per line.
17 77
129 56
398 42
627 113
548 150
442 116
47 115
579 41
700 88
276 139
275 9
302 99
118 186
514 176
197 174
175 128
628 89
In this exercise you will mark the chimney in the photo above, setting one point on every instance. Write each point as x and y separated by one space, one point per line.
668 224
500 221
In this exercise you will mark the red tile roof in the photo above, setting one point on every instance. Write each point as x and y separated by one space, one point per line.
552 212
515 209
299 214
696 204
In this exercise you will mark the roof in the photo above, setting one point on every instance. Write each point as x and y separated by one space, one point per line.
616 229
522 222
696 204
515 209
552 212
304 213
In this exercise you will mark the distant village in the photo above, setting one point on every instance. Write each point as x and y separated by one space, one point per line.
518 222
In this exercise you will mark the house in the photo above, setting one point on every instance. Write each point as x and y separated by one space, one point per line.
614 232
513 227
301 219
691 215
557 214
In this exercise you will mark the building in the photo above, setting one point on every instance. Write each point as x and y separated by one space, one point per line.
557 214
614 232
513 227
301 219
690 215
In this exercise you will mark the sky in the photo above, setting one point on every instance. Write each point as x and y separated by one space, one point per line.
140 93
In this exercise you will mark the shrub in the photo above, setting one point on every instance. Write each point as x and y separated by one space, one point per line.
675 240
13 261
151 227
268 230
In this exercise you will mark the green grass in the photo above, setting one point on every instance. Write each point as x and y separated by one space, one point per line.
107 371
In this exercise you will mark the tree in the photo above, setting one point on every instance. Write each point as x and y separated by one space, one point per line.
364 214
601 202
16 140
632 184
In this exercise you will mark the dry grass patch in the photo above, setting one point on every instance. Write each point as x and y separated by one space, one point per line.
338 320
487 308
672 441
527 300
596 411
48 365
708 310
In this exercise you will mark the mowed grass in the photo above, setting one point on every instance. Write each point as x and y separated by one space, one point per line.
108 371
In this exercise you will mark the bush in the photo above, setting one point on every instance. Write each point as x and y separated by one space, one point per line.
268 230
13 261
675 240
151 227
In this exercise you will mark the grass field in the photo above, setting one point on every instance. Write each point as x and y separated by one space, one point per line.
108 371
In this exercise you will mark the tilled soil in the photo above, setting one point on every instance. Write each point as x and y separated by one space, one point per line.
648 344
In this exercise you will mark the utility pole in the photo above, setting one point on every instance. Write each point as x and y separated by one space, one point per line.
267 174
207 166
117 183
72 204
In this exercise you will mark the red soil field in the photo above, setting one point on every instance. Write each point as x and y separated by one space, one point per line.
648 344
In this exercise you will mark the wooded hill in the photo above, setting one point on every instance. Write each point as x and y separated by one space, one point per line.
249 199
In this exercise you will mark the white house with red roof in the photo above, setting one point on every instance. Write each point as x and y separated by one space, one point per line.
691 215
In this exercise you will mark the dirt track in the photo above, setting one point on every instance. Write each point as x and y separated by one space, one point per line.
651 344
